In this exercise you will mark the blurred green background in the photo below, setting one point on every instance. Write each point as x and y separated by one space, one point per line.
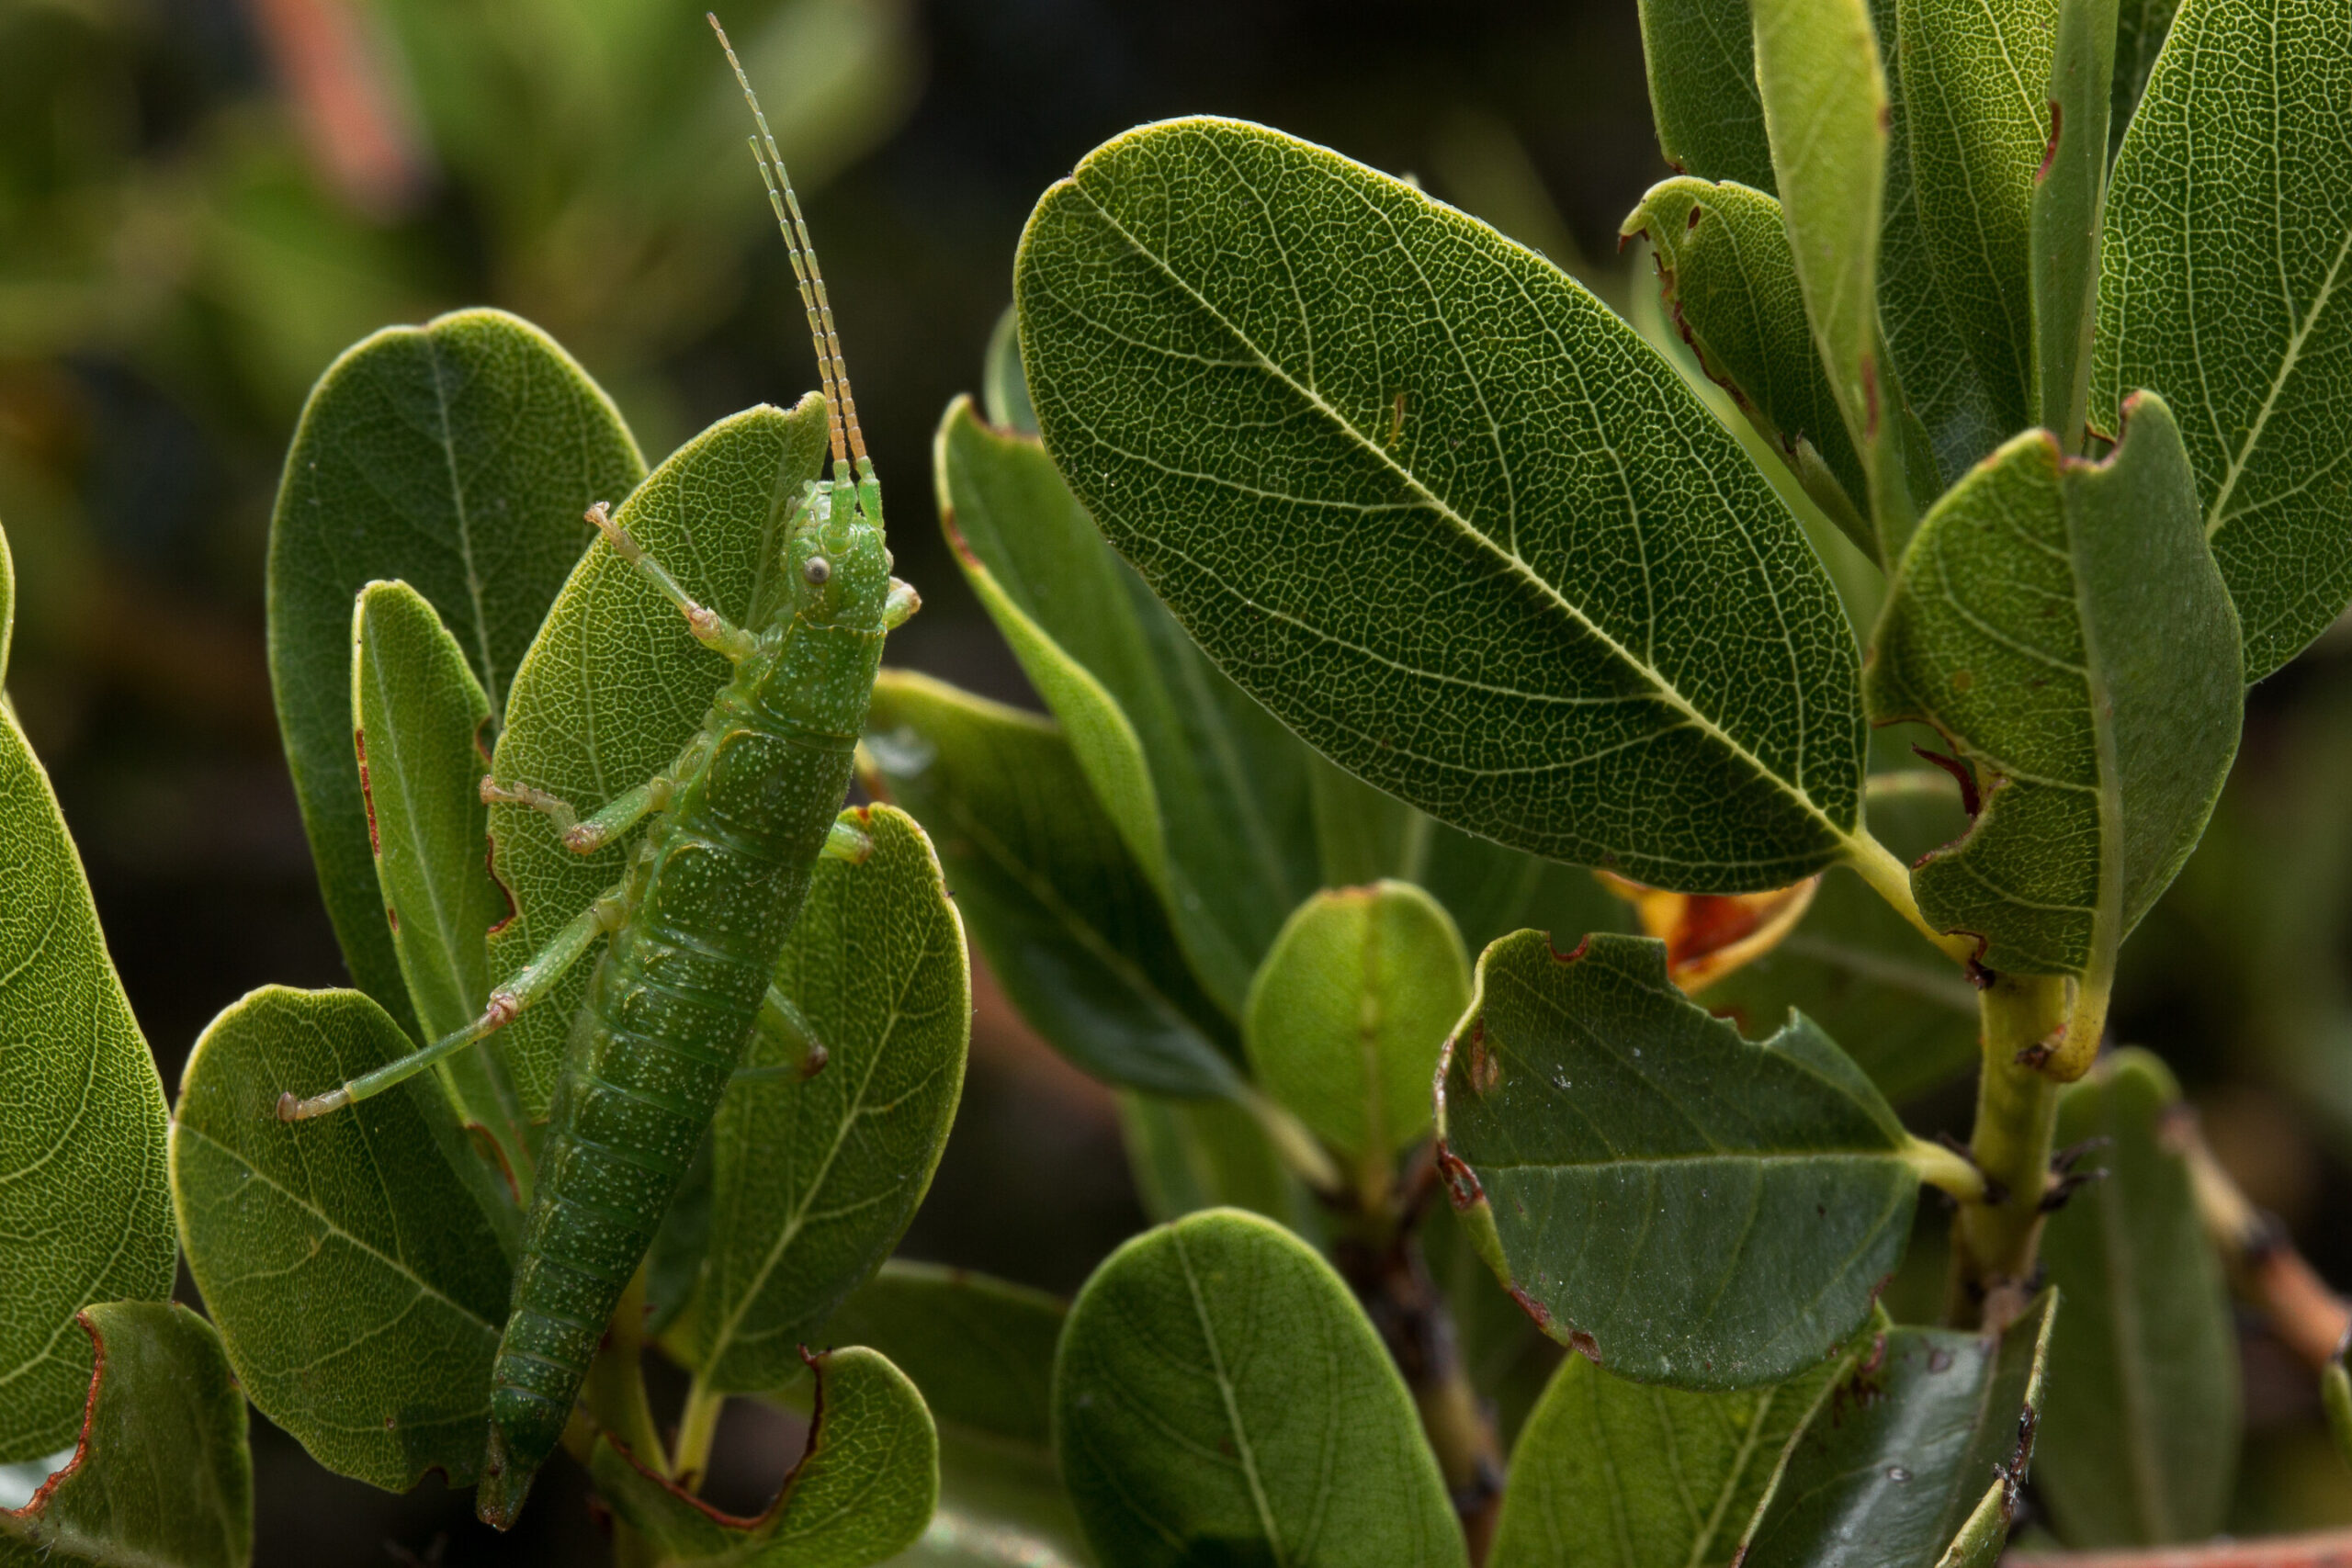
203 201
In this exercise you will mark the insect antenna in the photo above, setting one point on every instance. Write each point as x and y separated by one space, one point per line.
841 404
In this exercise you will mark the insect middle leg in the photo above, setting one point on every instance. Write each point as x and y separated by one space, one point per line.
710 628
586 835
527 985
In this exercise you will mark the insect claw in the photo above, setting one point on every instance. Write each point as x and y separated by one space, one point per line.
287 1104
814 1062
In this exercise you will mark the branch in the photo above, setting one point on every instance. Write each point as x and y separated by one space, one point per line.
2331 1548
2308 1317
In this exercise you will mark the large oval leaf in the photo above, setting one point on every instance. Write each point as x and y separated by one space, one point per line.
615 684
1430 503
1219 1397
2139 1445
457 457
1683 1206
1208 791
1065 917
2062 622
2227 286
350 1267
817 1174
161 1473
1614 1474
84 1210
417 717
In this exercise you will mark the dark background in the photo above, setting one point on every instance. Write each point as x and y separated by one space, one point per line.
201 201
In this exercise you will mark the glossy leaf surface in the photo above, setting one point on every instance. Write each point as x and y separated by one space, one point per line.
417 714
1349 1010
1687 1207
84 1210
1860 970
2069 202
1976 97
816 1176
615 684
1208 791
1929 1439
1068 921
2063 623
1729 279
1220 1397
160 1474
1415 558
457 457
1614 1474
863 1490
2225 265
356 1280
2139 1444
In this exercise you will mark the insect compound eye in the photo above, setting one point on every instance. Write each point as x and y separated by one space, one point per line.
818 572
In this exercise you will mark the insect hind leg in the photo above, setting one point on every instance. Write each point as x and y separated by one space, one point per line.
529 986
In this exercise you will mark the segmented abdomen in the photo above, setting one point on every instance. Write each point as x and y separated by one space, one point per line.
669 1009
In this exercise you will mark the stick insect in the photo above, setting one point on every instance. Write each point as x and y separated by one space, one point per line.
693 932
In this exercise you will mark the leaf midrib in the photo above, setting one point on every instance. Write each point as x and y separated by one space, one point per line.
1666 690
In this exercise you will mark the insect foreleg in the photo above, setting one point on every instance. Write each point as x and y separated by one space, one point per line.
782 1020
900 605
624 811
710 628
528 985
845 842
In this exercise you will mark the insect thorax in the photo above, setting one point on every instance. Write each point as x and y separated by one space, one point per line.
816 665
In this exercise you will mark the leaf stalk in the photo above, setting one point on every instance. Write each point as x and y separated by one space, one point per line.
1890 880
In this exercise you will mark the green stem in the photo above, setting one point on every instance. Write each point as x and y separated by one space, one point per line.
1993 1243
696 1428
614 1398
1890 880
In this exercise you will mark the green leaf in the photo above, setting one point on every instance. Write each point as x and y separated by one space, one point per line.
2336 1397
1004 390
2069 197
1727 274
1209 793
1900 1478
1975 91
1363 834
1827 111
457 457
816 1175
2139 1444
1684 1206
954 1539
1220 1398
1347 1014
1065 917
2228 235
1860 970
1702 59
80 1114
615 684
2141 26
350 1269
1941 383
2063 623
1616 1473
864 1488
417 719
160 1474
982 1351
1398 515
1190 1155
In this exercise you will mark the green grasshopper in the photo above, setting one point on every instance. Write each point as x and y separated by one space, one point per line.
693 932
